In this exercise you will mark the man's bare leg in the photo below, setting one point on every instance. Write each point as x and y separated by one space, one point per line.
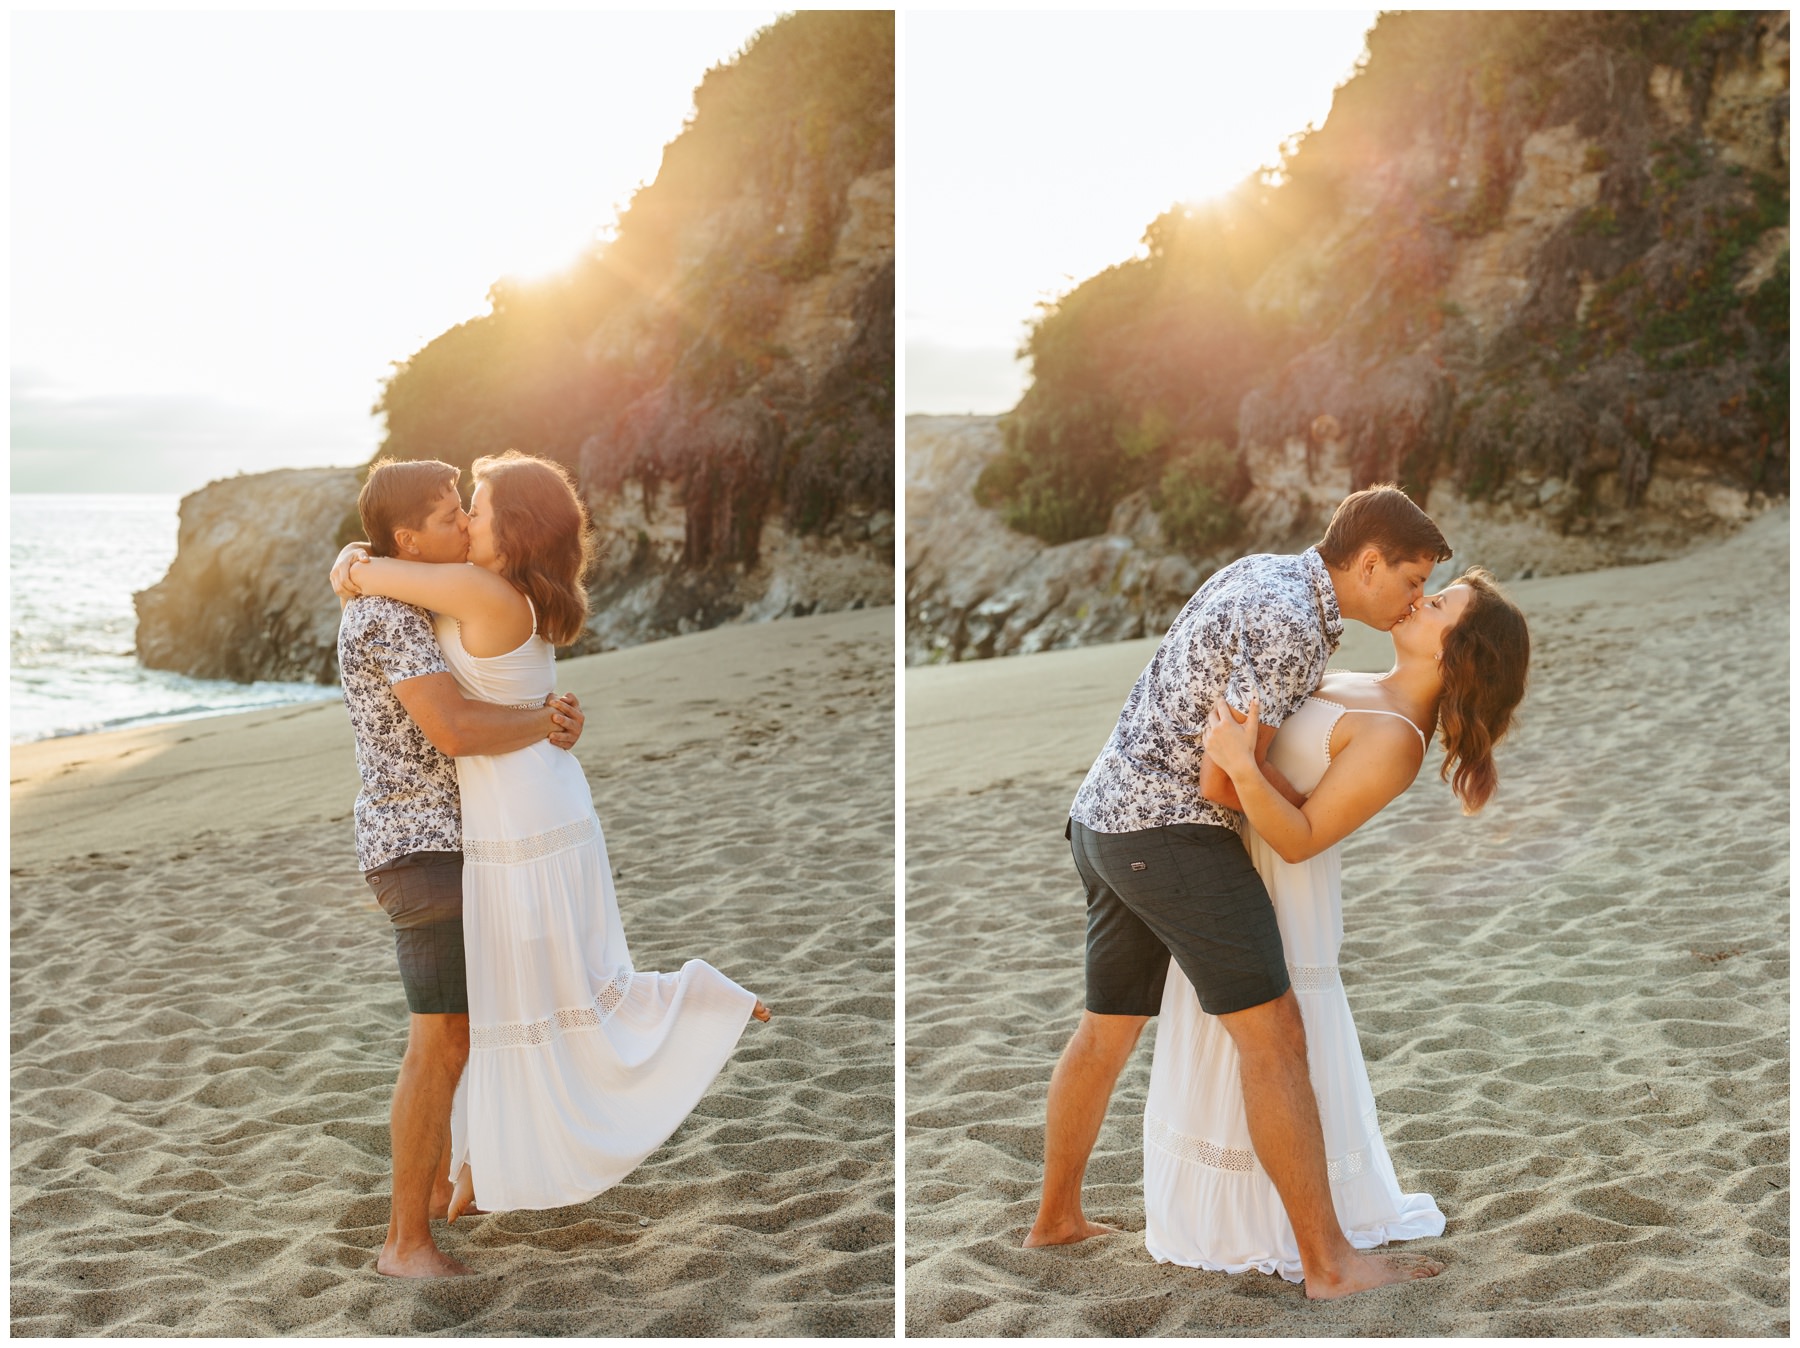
1284 1128
1081 1087
437 1047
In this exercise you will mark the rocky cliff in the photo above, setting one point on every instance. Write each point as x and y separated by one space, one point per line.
1574 291
1534 267
719 376
247 597
976 587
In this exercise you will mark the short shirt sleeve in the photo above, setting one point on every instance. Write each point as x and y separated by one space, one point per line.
1272 661
403 646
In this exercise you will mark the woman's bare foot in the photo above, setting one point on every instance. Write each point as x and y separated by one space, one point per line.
1082 1229
427 1261
1368 1271
463 1200
760 1012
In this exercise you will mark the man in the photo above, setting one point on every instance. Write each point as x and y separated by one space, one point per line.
411 719
1154 832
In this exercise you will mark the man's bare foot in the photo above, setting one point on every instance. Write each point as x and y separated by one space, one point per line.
425 1262
1067 1233
1368 1271
760 1012
462 1201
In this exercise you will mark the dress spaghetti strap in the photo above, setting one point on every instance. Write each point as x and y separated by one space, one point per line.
1424 741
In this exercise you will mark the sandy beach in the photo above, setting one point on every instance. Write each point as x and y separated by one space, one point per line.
1574 1006
206 1019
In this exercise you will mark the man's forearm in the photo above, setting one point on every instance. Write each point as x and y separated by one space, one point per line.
1216 785
1287 790
484 728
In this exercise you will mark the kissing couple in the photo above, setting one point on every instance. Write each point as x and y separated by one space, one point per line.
1261 1145
540 1066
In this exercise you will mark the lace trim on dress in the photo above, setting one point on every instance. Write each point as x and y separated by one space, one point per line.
1187 1147
1331 725
508 851
1312 978
1353 1163
532 1033
1242 1160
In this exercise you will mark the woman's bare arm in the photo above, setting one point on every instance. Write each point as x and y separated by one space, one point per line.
492 611
1372 770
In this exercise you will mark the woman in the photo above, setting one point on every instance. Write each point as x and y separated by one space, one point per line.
579 1066
1356 744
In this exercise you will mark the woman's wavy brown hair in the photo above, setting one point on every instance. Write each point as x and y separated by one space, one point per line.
543 533
1485 659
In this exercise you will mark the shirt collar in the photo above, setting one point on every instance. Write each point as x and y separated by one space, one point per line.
1326 596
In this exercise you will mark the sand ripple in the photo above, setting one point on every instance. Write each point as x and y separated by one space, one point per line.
204 1046
1574 1007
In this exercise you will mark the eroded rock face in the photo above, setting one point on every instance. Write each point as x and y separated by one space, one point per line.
643 592
1552 358
975 588
1494 276
248 597
680 555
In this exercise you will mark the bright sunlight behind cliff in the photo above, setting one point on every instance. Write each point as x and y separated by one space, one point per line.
1040 145
226 226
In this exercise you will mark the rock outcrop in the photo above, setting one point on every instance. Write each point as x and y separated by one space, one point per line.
976 588
247 596
685 482
1566 300
643 592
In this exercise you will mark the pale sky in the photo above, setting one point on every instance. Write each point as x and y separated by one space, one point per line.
1039 146
226 226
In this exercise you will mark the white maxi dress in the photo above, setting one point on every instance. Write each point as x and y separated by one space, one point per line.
1208 1203
579 1066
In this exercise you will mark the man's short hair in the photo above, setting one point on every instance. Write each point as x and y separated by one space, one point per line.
399 494
1382 517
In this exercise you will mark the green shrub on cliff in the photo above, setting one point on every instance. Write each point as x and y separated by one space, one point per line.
1151 355
1195 500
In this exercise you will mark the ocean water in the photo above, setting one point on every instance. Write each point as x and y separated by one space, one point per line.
76 560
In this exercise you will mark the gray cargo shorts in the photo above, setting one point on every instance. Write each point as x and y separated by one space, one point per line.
1182 891
422 895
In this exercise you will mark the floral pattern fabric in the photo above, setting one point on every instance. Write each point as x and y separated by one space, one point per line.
408 801
1265 625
